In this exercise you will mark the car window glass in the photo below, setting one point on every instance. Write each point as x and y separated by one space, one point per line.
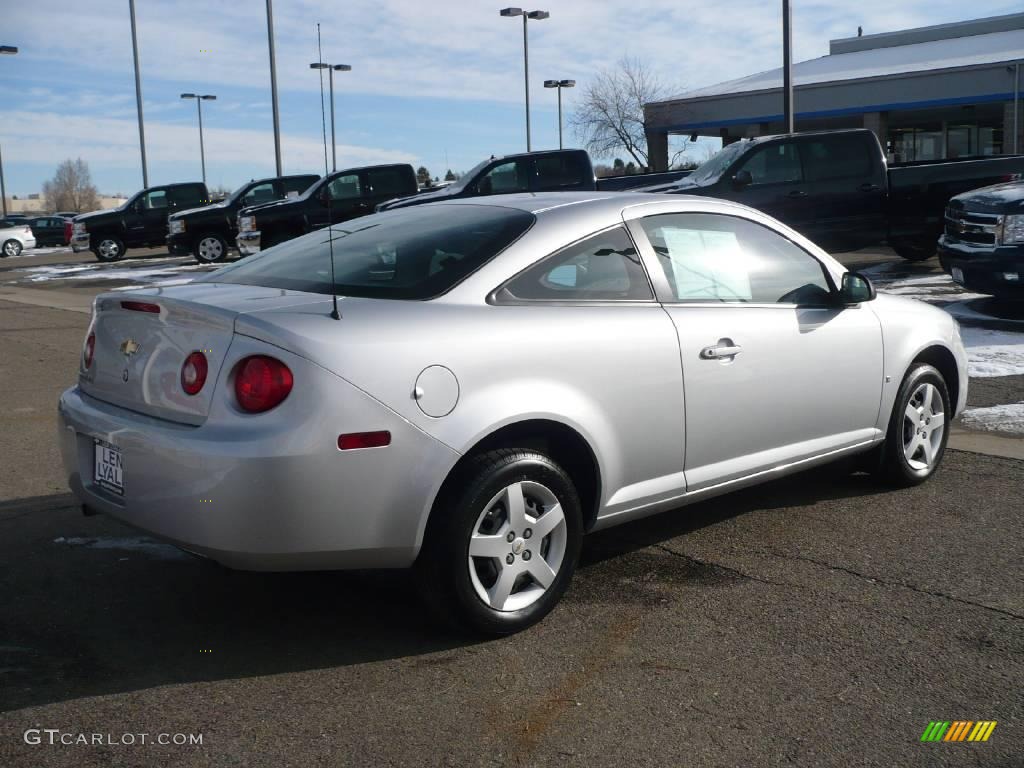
188 196
711 257
835 157
554 171
155 199
345 187
774 164
261 193
604 267
388 181
504 178
297 185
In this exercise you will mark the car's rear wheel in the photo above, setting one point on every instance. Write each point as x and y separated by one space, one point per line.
210 249
11 247
914 250
502 546
109 249
918 428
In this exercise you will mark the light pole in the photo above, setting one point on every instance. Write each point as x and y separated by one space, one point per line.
8 50
559 84
199 106
787 66
138 94
536 16
331 69
273 87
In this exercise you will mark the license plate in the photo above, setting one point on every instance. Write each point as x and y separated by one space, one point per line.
958 275
108 470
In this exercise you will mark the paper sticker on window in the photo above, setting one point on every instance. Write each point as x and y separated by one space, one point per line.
708 265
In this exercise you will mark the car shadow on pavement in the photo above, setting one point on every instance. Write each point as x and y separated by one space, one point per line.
90 607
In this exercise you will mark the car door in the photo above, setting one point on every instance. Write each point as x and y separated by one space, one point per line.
506 177
846 188
340 199
774 370
147 219
776 184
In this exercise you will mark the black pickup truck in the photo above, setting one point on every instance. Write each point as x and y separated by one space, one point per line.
207 232
140 223
557 170
339 196
983 245
836 188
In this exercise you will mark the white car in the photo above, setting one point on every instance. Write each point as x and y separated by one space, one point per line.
14 238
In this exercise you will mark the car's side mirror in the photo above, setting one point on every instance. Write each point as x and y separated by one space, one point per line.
485 187
742 179
856 288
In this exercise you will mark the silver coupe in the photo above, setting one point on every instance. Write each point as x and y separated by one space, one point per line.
468 387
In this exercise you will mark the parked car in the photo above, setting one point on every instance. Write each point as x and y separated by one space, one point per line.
14 238
18 218
49 230
207 232
140 223
983 245
66 214
339 196
558 170
478 383
836 188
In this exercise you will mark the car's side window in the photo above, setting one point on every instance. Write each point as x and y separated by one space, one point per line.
155 199
505 178
345 187
603 267
836 157
388 182
262 193
774 164
709 257
555 171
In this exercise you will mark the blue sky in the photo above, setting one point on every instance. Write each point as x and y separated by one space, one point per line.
431 78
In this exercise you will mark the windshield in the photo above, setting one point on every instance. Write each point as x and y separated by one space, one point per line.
412 253
713 167
460 184
237 193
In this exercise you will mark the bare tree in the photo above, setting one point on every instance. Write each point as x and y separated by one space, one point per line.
71 188
610 116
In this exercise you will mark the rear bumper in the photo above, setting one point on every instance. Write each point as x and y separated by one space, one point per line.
991 269
267 492
248 243
80 243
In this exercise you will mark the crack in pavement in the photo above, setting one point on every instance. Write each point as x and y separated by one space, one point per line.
876 580
727 569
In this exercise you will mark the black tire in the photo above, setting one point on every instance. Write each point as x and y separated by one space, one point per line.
210 248
109 249
443 567
10 247
914 250
893 465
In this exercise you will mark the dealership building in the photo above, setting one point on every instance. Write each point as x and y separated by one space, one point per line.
930 93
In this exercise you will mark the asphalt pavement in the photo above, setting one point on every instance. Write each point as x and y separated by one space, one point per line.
819 620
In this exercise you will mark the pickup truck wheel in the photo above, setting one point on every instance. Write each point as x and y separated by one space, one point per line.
913 250
11 247
918 428
109 249
502 544
210 248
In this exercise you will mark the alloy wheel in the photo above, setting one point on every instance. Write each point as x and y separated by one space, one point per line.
108 249
12 248
923 426
210 249
517 546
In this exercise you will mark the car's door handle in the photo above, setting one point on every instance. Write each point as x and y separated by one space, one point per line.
869 187
796 193
719 351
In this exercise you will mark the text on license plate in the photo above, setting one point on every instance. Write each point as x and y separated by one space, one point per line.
108 470
958 275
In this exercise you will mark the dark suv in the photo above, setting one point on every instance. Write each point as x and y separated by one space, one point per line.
207 232
139 223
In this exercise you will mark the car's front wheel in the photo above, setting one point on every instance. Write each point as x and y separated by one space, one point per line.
11 247
210 249
109 249
918 428
502 547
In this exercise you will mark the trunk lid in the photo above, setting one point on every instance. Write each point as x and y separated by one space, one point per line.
143 338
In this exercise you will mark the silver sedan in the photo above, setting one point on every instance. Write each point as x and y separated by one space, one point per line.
469 387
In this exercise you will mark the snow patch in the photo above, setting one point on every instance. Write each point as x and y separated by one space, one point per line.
997 418
993 353
135 544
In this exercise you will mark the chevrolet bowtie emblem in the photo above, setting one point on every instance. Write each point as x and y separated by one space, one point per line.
129 347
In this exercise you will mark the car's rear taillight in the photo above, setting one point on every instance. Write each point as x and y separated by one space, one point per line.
261 383
193 373
89 350
141 306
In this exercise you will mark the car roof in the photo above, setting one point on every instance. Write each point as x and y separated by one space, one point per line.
543 203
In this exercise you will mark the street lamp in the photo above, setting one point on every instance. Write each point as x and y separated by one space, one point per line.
536 16
331 69
9 50
199 106
559 84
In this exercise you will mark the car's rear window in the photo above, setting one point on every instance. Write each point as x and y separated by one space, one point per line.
411 253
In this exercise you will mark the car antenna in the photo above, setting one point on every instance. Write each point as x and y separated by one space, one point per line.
330 221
